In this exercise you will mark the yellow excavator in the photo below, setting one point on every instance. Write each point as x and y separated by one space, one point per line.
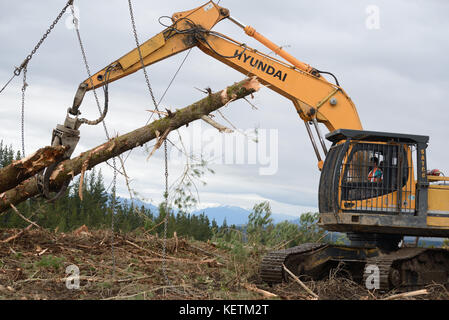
374 186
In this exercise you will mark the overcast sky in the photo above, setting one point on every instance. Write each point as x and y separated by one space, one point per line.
394 71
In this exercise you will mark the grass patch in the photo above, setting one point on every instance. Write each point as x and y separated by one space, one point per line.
50 262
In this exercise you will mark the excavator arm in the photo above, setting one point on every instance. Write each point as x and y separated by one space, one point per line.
315 99
313 96
181 35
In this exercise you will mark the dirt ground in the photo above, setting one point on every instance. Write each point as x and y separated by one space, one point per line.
33 266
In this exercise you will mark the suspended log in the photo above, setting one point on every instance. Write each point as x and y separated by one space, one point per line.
20 170
68 169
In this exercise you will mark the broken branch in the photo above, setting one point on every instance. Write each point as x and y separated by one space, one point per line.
313 294
159 142
20 170
18 234
265 293
407 294
23 217
216 125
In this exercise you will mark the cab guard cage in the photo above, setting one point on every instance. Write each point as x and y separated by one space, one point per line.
348 184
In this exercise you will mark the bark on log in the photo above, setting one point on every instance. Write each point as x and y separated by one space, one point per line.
116 146
20 170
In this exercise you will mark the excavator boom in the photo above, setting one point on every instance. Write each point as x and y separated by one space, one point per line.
315 99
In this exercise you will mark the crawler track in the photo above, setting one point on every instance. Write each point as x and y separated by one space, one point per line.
410 268
406 268
271 269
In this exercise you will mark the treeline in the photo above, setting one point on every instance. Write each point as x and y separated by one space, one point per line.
7 155
96 210
98 207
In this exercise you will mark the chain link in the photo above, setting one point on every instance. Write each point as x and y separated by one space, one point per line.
167 215
24 64
24 67
114 179
24 87
136 38
114 200
18 70
147 80
86 65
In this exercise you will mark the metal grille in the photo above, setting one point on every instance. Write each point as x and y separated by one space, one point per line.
377 178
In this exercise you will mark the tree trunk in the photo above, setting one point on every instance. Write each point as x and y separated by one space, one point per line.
116 146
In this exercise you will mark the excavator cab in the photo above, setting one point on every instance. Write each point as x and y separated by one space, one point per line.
376 183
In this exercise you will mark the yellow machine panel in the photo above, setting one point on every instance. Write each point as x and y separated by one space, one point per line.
438 212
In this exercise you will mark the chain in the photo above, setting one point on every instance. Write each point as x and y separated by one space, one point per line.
114 180
86 65
167 215
24 87
136 38
147 80
24 64
24 67
28 58
114 186
70 2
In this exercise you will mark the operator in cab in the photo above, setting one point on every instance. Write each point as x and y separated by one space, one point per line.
376 174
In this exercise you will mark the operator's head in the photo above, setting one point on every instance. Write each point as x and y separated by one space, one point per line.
374 160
